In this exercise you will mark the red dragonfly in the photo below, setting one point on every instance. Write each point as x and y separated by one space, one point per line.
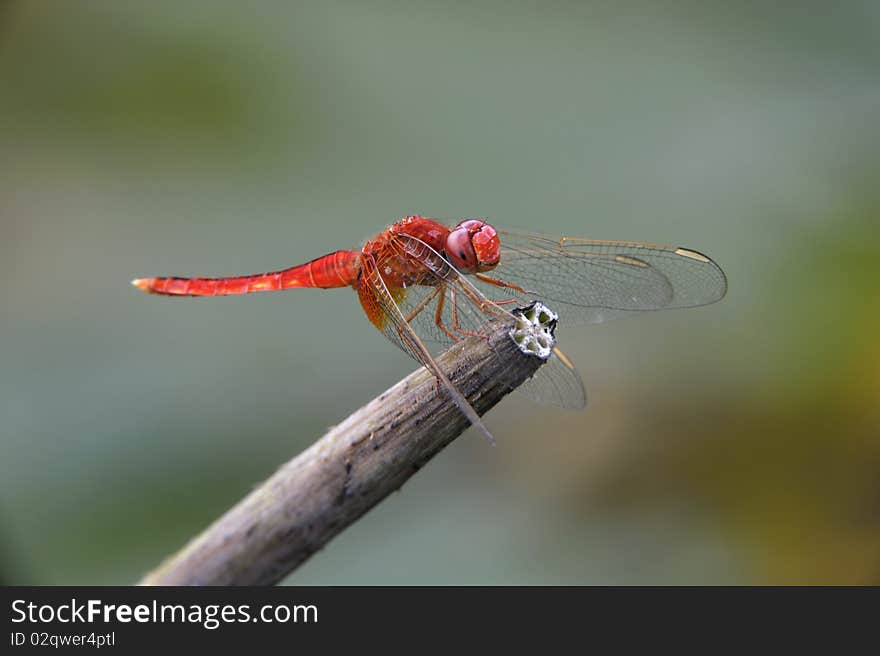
426 286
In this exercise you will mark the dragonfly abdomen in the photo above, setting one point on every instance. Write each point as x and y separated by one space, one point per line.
338 269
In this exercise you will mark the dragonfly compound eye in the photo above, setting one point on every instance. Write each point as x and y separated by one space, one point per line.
460 250
476 244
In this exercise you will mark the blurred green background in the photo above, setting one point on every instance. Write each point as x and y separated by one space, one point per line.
737 443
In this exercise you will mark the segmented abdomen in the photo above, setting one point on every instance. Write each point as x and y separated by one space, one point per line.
339 269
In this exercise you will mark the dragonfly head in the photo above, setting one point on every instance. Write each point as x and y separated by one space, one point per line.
473 246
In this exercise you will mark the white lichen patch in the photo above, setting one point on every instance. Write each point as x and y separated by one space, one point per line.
533 330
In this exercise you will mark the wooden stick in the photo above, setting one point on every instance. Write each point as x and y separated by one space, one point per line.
349 470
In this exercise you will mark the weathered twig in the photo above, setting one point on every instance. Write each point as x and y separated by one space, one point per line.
348 471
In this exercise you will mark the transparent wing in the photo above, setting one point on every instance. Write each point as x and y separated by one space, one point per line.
556 383
396 328
441 306
592 281
435 301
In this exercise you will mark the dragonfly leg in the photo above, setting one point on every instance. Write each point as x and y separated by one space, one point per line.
422 305
415 312
481 303
506 301
438 314
501 283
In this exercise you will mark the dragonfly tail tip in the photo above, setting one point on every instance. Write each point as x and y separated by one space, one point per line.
142 283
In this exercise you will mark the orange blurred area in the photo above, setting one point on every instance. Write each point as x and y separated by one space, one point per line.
735 443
